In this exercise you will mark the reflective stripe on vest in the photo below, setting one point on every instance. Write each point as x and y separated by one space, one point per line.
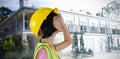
50 53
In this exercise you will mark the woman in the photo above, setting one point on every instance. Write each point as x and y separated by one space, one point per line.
46 23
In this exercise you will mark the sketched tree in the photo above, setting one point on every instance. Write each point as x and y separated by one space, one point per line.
109 43
82 49
75 49
112 8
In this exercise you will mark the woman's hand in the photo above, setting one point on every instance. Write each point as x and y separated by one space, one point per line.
59 17
67 38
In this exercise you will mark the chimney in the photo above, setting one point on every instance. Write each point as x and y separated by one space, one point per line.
21 3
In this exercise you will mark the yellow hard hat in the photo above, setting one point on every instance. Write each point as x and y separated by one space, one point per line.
37 19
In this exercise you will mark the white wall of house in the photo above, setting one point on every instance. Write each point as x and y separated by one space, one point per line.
96 42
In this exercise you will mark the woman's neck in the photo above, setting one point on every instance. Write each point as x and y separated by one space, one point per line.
50 39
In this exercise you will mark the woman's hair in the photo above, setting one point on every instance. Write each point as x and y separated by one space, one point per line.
47 27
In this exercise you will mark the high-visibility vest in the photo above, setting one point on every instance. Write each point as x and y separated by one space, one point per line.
49 52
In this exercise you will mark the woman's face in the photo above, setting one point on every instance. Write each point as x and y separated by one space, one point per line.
57 24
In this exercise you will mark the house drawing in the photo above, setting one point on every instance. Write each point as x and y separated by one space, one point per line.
96 29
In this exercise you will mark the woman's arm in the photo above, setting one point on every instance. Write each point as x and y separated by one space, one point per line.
67 38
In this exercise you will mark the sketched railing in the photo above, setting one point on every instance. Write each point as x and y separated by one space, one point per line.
92 29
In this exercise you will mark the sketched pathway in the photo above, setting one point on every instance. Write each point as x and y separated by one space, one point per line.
98 56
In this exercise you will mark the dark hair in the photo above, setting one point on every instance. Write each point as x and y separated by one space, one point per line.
47 27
